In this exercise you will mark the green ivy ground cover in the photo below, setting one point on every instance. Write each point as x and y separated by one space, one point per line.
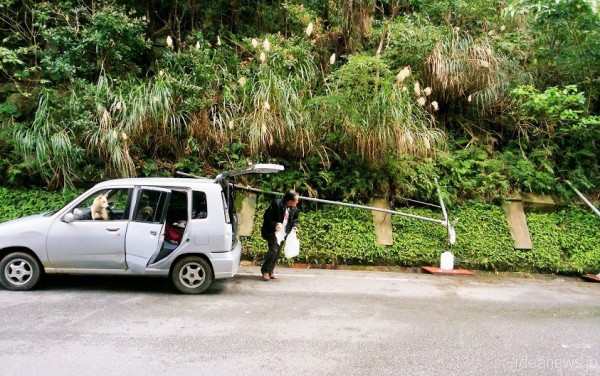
565 241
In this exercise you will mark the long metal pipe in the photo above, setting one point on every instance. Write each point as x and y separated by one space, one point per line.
247 188
582 197
449 229
444 223
441 201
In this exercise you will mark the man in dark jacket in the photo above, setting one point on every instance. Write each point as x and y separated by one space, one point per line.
281 215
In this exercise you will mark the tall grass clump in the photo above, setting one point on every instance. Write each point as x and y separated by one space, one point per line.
265 108
375 113
48 144
460 68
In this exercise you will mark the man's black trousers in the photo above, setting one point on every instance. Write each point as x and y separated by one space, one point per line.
271 257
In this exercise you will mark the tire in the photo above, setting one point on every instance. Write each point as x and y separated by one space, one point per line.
19 271
192 275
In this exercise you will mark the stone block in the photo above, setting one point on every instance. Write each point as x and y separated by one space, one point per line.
247 210
382 222
517 222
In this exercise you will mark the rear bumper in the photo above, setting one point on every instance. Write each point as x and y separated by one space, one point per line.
226 264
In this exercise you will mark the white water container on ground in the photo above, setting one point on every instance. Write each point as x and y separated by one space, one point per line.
447 261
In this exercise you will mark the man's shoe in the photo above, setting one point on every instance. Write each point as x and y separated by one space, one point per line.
266 277
272 276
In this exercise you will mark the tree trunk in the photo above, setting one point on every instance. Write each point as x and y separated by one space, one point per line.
176 24
192 15
233 12
150 28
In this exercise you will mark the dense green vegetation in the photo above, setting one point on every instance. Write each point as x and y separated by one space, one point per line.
20 203
355 97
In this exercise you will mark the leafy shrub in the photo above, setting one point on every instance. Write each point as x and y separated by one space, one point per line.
556 56
557 135
19 203
345 177
469 14
411 40
470 173
199 71
526 174
75 36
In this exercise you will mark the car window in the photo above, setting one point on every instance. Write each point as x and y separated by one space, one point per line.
118 199
225 207
108 204
150 206
178 207
199 205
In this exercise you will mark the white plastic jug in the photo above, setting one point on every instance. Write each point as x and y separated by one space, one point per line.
447 261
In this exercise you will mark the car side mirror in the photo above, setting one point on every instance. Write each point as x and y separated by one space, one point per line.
68 218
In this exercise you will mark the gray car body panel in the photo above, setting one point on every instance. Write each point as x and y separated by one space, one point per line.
27 232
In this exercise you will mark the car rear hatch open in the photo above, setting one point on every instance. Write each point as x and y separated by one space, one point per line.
226 180
261 168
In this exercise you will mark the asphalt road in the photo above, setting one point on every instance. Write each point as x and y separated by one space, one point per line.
308 322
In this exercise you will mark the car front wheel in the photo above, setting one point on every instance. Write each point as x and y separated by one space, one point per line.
192 275
19 271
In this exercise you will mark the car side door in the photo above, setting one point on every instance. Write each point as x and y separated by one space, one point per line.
145 233
76 241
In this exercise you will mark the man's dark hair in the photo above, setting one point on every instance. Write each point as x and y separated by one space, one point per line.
290 196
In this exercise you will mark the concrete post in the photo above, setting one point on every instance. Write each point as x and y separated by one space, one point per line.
382 222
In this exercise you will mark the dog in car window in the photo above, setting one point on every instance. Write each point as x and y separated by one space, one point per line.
145 214
100 208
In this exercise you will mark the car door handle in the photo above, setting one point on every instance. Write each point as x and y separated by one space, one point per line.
153 233
112 229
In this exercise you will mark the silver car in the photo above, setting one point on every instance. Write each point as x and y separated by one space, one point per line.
177 227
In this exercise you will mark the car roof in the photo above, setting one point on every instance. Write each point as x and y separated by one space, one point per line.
159 182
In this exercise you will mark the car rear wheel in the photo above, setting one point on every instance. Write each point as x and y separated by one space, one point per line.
192 275
19 271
